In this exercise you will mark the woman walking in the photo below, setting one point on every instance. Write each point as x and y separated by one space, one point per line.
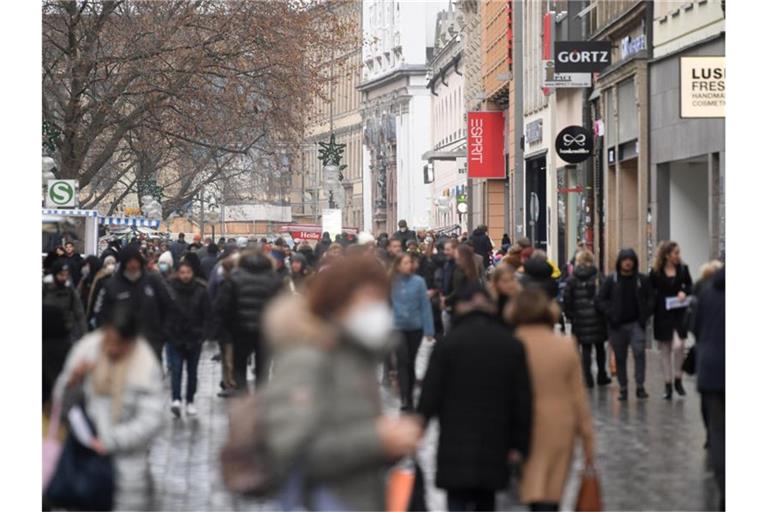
588 324
560 408
504 288
413 318
116 372
671 282
187 328
465 274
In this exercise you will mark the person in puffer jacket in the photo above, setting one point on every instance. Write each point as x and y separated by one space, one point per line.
240 303
588 324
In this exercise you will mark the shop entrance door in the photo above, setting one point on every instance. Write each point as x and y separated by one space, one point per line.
536 195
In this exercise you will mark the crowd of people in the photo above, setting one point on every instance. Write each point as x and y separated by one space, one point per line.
317 324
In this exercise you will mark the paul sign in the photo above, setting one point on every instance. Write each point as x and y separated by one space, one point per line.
574 144
582 56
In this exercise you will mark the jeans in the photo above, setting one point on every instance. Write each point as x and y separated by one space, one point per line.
177 357
622 338
586 358
406 365
227 366
471 499
715 406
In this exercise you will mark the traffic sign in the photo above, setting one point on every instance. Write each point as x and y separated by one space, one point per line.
61 193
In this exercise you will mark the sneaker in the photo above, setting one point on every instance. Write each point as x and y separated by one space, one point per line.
191 409
641 393
623 395
176 408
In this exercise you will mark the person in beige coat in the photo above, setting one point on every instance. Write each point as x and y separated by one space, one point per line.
560 408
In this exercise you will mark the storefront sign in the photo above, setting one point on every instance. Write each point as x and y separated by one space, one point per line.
629 46
485 139
582 56
533 131
574 144
61 194
702 87
564 80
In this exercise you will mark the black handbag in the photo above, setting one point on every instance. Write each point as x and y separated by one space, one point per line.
83 479
689 363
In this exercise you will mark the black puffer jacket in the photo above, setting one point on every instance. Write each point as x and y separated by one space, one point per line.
609 301
538 273
579 301
189 318
242 298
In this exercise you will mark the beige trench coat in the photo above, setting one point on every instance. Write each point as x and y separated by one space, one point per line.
560 412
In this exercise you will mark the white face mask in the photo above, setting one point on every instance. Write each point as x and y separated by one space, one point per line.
85 271
370 325
403 230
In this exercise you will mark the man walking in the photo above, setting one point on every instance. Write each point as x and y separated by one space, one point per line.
403 233
626 300
178 248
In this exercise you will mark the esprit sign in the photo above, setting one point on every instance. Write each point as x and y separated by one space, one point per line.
485 145
702 87
574 144
582 56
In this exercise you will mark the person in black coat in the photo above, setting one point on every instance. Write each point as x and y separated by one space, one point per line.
587 323
178 248
670 279
56 345
403 234
145 292
477 386
240 302
209 260
482 244
626 300
188 326
322 246
709 330
74 262
62 295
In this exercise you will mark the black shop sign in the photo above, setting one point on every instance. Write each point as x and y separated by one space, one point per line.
574 144
582 56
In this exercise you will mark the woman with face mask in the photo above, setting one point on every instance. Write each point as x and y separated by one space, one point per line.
413 318
330 423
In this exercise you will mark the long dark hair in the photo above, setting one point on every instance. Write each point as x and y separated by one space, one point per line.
394 271
466 261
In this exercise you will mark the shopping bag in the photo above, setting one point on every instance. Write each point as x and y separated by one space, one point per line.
400 487
589 499
51 445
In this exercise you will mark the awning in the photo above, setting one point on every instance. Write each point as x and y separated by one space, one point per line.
444 155
129 221
70 212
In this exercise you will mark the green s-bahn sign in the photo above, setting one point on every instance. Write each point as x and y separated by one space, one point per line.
61 194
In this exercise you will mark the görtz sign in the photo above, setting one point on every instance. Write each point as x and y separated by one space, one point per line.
702 87
582 56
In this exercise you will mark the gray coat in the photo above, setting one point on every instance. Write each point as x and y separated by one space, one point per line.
128 440
322 405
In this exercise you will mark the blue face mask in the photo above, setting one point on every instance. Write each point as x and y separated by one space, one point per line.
164 267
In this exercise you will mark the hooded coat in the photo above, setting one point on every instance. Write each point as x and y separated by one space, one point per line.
588 324
147 295
67 300
609 300
323 405
482 245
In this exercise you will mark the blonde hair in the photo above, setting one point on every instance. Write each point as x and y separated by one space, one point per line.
585 257
708 269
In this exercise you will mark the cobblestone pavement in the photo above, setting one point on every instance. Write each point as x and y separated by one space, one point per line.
650 454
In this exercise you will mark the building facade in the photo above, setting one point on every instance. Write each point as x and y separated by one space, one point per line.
446 161
397 45
336 113
687 154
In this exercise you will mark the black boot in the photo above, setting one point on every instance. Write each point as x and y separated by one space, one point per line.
641 393
589 380
623 395
679 387
603 379
667 391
